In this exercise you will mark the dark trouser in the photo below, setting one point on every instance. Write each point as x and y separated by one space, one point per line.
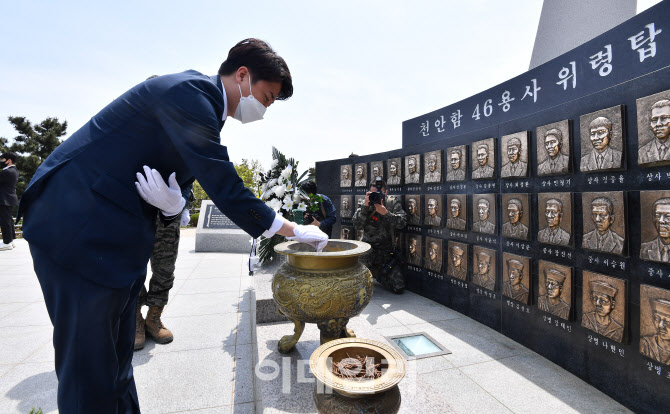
94 334
163 259
7 224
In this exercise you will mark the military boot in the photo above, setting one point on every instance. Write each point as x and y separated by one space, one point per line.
155 327
139 329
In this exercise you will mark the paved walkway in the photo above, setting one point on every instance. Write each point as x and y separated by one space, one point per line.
208 368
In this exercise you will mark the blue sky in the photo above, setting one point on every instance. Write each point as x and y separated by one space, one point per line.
360 68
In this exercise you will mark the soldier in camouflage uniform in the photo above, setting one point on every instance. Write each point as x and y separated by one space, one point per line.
379 223
163 258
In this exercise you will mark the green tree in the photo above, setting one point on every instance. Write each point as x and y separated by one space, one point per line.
248 172
33 145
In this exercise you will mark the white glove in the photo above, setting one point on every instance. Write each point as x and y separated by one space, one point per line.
154 191
185 217
311 235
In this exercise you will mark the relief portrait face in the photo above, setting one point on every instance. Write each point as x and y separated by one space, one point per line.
604 304
482 155
455 160
513 151
432 251
432 207
483 264
600 134
432 163
483 210
411 165
662 324
412 245
375 170
456 257
602 217
552 145
660 122
515 275
553 214
554 287
411 207
514 213
345 173
345 204
455 208
393 169
359 172
662 219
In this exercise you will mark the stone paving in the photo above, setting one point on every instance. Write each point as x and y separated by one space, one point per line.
209 367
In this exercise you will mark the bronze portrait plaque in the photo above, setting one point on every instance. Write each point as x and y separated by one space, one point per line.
347 232
359 235
412 169
414 249
433 216
484 213
484 268
555 290
553 148
602 140
654 323
457 258
604 305
457 161
653 129
457 211
361 175
433 259
346 205
515 155
413 209
516 216
655 223
345 175
360 200
394 166
432 162
376 170
604 221
555 218
516 277
484 159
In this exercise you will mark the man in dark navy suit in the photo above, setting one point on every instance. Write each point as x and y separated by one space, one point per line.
91 234
9 176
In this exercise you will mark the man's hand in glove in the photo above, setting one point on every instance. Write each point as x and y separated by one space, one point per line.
154 191
185 218
311 235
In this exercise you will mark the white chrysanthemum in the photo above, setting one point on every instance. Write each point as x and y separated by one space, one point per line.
274 204
274 163
272 183
280 190
286 173
302 206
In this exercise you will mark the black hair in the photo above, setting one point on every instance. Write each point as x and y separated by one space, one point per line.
9 156
263 63
309 187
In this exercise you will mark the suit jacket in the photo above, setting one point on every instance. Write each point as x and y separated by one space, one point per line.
8 180
521 170
613 243
561 165
483 172
611 159
562 237
484 227
649 152
651 250
520 231
82 206
455 175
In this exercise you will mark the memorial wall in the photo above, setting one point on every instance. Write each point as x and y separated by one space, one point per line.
541 208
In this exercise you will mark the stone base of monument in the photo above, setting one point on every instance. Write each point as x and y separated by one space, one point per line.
266 309
217 233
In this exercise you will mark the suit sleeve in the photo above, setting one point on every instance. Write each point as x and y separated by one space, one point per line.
188 114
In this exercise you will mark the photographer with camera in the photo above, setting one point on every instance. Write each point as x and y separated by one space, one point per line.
324 217
380 217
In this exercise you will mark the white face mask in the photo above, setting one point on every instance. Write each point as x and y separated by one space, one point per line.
249 109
